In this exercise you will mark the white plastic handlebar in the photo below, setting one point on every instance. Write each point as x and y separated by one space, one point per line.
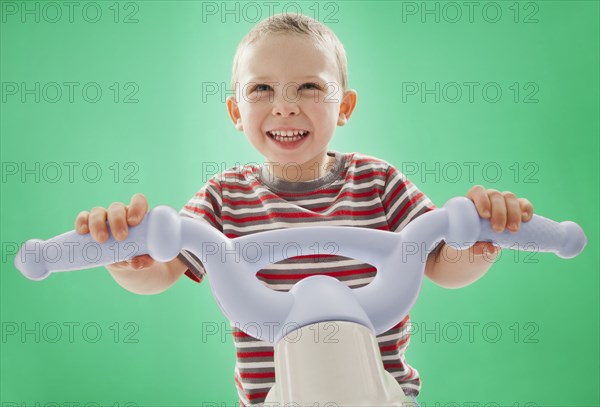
399 259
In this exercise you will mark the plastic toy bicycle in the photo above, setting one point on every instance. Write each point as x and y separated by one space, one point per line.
347 371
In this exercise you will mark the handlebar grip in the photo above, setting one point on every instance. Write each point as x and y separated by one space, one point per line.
158 234
540 234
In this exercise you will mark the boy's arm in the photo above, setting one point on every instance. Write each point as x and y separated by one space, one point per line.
153 279
451 268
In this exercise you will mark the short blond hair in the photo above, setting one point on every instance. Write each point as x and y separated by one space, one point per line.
299 24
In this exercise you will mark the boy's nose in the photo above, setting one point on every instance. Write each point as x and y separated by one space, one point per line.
284 106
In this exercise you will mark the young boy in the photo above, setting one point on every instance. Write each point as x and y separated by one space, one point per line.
290 79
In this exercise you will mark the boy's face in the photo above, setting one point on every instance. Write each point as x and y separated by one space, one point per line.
286 82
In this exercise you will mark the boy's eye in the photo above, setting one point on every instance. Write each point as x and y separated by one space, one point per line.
311 85
261 87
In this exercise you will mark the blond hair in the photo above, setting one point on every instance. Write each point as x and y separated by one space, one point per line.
298 24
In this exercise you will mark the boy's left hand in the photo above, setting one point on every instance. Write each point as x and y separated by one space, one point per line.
503 209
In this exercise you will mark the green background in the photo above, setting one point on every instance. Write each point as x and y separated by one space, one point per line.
175 134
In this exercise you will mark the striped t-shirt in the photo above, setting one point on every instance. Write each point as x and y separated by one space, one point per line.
359 191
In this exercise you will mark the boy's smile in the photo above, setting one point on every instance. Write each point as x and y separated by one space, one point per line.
289 102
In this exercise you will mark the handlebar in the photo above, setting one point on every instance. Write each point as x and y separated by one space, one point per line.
399 258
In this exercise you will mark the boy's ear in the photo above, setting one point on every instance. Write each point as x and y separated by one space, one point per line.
347 106
234 113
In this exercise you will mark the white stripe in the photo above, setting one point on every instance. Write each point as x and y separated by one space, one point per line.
194 263
356 187
268 206
389 337
410 216
401 200
195 215
254 344
410 385
283 225
353 282
290 266
212 190
252 386
256 365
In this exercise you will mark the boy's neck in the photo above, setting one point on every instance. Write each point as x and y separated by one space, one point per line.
308 171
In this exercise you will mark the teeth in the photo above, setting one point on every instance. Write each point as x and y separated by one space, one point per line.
288 136
288 133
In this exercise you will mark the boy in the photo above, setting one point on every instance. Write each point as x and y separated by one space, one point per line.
290 79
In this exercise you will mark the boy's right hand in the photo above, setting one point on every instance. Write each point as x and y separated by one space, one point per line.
119 217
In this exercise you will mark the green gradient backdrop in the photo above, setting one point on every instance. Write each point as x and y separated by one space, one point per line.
535 320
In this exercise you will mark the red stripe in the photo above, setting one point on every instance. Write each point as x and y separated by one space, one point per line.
397 190
257 395
394 346
250 187
271 197
249 396
405 208
260 200
367 160
201 211
191 275
304 275
263 375
371 174
328 191
393 365
273 216
401 323
216 185
374 191
243 355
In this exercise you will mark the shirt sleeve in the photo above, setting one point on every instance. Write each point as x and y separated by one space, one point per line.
206 206
402 200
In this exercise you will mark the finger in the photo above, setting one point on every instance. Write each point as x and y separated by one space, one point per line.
478 195
513 211
81 222
116 220
137 209
498 218
97 224
142 262
526 209
485 248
